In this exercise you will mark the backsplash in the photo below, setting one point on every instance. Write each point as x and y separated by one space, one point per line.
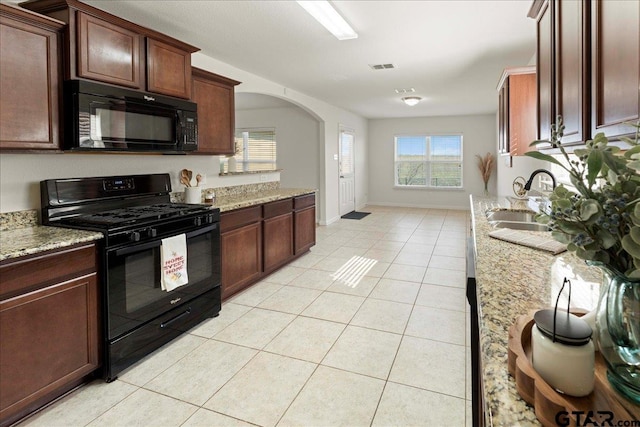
237 190
234 190
18 219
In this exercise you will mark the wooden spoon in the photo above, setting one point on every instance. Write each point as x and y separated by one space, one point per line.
189 176
184 178
198 180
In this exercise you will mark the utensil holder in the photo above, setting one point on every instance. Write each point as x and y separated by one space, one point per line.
193 195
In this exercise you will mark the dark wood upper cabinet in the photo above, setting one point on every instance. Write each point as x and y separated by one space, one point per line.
615 74
544 67
108 52
215 97
168 69
517 110
588 60
30 80
104 47
571 68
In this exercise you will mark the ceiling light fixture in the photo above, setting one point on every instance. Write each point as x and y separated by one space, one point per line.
411 100
329 18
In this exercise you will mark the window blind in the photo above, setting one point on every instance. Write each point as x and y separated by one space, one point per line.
255 149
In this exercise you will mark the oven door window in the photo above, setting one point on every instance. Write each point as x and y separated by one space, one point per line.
125 125
134 292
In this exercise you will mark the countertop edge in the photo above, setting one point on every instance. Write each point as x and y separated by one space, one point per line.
40 238
230 203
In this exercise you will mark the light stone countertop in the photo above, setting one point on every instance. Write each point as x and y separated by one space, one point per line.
34 239
228 203
513 280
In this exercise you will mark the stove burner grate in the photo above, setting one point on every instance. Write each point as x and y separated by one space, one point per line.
131 215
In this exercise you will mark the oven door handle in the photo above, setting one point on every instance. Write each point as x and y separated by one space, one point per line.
158 242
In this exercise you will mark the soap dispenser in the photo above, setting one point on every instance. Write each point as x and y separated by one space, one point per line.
562 350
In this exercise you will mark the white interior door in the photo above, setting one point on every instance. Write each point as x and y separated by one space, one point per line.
347 175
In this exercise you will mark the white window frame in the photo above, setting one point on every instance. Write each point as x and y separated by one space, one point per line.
428 162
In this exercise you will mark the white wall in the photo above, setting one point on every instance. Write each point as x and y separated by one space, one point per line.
479 137
521 166
297 142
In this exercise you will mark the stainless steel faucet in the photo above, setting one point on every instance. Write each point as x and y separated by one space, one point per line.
527 186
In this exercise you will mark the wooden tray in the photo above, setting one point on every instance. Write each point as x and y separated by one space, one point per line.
547 402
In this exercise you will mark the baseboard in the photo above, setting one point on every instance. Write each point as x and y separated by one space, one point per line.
330 221
421 206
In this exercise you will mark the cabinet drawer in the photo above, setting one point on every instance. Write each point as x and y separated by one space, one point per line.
30 273
240 217
278 208
304 201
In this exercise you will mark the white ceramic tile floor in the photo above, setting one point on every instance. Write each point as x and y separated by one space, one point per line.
301 348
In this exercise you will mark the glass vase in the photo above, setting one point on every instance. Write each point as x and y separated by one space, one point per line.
618 331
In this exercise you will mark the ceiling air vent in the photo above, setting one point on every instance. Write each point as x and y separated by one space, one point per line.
381 66
407 90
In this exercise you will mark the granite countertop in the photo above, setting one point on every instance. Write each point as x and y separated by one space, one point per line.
231 202
513 280
33 239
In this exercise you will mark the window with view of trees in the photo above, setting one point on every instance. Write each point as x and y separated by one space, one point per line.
255 149
428 161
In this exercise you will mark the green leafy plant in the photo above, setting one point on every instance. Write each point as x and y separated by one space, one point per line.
600 220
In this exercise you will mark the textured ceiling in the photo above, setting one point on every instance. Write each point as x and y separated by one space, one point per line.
451 52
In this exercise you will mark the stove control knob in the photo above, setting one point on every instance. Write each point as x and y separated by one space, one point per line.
134 236
152 232
197 221
210 219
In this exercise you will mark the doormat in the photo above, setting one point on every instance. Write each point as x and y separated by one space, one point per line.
355 215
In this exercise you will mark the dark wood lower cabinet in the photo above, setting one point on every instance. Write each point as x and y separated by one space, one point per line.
258 240
241 258
49 333
278 241
305 229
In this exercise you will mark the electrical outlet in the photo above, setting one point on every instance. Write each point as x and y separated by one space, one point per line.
263 178
335 157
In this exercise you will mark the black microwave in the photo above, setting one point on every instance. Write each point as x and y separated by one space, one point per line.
100 117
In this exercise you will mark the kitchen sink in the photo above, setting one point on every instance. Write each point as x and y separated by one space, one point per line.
516 220
515 216
519 225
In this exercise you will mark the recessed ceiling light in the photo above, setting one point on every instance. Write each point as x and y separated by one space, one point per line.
329 18
411 100
407 90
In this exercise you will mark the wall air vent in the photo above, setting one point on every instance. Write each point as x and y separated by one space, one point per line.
407 90
381 66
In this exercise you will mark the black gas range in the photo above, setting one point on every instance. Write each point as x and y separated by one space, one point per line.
136 216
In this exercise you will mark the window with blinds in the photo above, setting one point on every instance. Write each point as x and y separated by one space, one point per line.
429 161
255 150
